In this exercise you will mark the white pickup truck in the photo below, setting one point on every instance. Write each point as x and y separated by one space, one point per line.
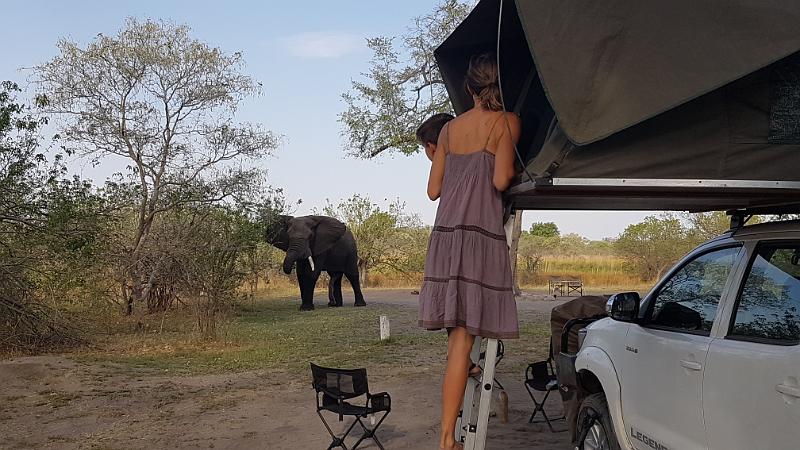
709 359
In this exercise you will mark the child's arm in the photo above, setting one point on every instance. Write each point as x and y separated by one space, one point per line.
437 168
504 170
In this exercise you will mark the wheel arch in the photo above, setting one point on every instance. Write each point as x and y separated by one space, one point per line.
596 369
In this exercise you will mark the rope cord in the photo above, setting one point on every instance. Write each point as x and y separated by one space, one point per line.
502 98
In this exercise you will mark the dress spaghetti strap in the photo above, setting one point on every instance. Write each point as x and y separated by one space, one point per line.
489 137
447 138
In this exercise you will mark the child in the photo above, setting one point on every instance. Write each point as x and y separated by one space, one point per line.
428 132
467 285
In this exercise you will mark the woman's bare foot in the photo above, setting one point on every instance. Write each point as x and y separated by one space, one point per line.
475 370
455 446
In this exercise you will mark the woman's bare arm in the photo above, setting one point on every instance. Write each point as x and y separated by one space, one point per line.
437 168
504 170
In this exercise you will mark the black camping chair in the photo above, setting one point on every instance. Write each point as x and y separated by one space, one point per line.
540 376
333 387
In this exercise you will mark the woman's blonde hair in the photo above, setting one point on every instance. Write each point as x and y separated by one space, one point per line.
482 81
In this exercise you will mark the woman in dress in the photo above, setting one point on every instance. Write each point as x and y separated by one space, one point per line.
467 287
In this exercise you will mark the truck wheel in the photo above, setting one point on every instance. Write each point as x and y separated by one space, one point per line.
597 434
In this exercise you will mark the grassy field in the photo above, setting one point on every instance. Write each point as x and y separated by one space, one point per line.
599 273
270 333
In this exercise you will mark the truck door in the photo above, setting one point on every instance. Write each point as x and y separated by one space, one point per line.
662 373
751 391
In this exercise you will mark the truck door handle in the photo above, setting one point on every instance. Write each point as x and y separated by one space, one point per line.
691 365
791 391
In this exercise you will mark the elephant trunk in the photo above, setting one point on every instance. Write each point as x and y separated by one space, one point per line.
297 251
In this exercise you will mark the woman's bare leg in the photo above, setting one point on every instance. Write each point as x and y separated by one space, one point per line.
459 345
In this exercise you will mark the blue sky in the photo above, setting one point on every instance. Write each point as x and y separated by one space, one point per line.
305 54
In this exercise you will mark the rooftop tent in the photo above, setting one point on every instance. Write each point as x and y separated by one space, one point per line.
680 105
521 87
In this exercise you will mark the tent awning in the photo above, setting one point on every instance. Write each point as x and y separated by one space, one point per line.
649 194
706 93
608 65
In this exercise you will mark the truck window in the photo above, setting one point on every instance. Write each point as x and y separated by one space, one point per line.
767 309
688 300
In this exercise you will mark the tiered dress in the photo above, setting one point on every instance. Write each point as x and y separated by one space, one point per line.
467 271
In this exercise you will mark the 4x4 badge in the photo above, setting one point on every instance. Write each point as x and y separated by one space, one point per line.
631 349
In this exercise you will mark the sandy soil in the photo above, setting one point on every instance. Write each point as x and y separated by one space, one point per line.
54 402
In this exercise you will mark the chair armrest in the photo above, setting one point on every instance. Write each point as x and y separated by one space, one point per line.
381 401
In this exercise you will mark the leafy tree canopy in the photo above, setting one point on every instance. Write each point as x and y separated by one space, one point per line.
402 87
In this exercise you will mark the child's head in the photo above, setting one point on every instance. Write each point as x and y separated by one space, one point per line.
482 82
428 132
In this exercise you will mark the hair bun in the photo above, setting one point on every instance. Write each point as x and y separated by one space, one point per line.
482 81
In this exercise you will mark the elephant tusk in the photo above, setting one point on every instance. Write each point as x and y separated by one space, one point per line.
311 261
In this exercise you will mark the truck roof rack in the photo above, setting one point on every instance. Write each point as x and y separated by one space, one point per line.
740 217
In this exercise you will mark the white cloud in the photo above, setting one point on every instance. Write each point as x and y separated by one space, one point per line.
321 44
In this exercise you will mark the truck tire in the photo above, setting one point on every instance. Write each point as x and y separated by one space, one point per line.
597 434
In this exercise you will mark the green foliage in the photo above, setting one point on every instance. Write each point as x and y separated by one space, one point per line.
402 88
653 245
544 229
705 226
48 228
387 238
165 102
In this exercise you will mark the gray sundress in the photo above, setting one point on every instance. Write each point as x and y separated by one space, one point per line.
467 272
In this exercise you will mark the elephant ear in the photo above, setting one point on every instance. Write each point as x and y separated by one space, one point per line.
327 233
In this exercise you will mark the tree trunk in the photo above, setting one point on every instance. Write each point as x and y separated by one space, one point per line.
362 272
516 232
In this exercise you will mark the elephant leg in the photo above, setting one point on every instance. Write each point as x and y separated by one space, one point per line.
337 289
353 279
335 277
307 279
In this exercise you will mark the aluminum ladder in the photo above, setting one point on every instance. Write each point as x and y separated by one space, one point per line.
471 427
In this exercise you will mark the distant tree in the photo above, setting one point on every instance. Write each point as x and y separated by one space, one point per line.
544 229
403 86
571 244
164 102
532 251
708 225
383 236
653 245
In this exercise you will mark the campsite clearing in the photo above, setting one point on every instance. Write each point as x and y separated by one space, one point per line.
149 391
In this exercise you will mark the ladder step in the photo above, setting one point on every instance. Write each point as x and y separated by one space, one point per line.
473 435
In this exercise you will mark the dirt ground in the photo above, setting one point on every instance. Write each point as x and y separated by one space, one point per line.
56 402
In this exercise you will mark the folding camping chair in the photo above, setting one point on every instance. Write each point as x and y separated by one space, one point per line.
333 387
540 376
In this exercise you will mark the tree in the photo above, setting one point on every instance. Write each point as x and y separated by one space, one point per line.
532 251
544 229
40 227
708 225
402 88
164 102
382 235
653 245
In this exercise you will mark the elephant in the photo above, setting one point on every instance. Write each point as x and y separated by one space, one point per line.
314 244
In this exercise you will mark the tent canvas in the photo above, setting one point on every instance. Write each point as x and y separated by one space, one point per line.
649 105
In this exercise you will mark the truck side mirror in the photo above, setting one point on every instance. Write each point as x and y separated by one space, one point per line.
624 307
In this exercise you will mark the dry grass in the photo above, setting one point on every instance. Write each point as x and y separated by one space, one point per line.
598 273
